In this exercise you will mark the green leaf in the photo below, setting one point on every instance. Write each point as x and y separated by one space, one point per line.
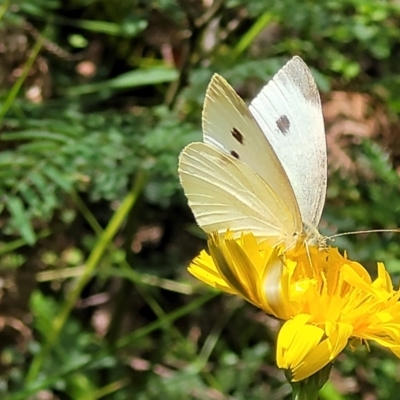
32 134
21 219
57 177
128 80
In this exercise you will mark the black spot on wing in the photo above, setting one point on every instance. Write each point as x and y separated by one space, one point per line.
234 154
283 124
237 135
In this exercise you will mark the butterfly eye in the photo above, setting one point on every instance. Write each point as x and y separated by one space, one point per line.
283 124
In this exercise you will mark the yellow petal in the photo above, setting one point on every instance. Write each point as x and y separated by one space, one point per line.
227 268
295 340
204 269
305 348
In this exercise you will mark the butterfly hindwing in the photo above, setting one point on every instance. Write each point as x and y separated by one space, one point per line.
225 193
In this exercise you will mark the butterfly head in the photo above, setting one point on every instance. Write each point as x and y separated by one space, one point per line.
313 237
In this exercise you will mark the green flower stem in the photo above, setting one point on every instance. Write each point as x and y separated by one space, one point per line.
92 262
304 392
308 389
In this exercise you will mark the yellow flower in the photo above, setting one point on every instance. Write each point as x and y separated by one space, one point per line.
324 298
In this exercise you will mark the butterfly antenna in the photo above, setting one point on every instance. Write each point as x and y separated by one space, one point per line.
397 230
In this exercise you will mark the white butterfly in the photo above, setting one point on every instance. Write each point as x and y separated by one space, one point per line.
261 168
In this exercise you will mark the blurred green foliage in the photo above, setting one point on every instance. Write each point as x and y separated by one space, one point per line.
97 99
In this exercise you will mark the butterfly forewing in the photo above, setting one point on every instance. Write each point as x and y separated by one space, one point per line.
229 125
288 110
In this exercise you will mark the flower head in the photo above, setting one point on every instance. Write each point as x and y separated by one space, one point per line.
324 298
